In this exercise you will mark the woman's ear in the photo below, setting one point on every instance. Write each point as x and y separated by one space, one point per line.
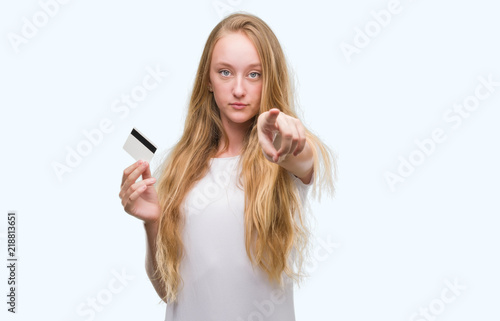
210 87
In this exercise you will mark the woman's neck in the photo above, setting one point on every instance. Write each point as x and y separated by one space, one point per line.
236 135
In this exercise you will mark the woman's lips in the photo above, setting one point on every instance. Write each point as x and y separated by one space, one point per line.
238 106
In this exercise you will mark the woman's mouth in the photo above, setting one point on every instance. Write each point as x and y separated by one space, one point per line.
238 105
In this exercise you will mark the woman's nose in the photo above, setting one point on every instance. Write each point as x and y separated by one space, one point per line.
239 87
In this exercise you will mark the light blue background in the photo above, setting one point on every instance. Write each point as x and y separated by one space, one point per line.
395 248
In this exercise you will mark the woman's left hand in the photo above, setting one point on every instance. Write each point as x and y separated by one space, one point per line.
290 139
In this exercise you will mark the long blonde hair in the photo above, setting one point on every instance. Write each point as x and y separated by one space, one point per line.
272 232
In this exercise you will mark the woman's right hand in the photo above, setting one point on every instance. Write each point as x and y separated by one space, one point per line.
140 199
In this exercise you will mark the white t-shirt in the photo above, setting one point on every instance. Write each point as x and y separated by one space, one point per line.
220 283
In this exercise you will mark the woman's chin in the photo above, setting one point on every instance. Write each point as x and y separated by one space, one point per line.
242 118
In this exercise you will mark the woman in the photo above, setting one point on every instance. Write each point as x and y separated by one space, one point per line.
225 227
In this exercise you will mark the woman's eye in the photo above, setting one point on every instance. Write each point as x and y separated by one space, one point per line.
254 75
224 73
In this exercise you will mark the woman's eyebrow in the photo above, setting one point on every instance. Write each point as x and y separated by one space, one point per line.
221 63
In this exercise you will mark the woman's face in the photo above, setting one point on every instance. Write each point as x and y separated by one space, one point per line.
235 78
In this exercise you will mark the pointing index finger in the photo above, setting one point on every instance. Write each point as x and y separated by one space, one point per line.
272 116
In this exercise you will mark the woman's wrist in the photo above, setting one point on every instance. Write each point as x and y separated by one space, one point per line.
150 224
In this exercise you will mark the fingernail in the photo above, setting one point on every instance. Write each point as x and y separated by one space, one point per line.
139 162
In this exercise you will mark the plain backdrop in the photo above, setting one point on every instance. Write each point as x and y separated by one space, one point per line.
394 250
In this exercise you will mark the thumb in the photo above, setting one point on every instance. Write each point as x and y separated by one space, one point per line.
268 148
147 172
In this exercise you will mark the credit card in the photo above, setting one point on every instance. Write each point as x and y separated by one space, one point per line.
139 146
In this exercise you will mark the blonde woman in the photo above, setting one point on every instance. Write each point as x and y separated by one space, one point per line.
226 232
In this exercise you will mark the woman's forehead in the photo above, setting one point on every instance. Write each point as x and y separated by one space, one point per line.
235 50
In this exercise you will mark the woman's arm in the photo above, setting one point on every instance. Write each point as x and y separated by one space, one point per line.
140 199
151 233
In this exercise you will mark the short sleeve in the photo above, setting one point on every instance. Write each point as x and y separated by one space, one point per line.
302 188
